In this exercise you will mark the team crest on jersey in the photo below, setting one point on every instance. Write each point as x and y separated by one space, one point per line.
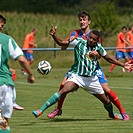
89 57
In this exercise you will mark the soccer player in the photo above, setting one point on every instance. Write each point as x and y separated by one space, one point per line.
121 47
83 32
29 43
129 38
9 49
83 73
15 105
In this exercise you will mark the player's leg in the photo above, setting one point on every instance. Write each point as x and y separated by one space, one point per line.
111 94
115 100
96 89
68 87
108 106
6 106
15 105
58 110
118 56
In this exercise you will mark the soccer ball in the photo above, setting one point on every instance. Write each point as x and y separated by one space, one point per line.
44 67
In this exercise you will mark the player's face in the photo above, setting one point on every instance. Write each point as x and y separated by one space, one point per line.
1 25
92 39
124 30
84 22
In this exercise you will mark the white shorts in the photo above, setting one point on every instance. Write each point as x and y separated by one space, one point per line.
6 100
90 84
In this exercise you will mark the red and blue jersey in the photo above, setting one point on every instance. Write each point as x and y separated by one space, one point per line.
79 34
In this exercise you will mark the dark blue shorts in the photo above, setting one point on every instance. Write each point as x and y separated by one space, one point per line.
28 56
120 55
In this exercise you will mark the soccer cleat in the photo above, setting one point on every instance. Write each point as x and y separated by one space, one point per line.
17 107
36 113
117 117
54 113
125 116
23 72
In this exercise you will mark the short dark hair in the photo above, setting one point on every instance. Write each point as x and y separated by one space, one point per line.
83 14
130 27
2 18
96 32
34 29
124 27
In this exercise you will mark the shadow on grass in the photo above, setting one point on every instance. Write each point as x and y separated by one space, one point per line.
62 120
72 119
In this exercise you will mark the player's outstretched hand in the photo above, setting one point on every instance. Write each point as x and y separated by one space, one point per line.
30 79
129 65
53 30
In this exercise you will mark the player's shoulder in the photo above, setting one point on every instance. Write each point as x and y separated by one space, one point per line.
76 41
76 32
99 44
129 33
5 36
120 34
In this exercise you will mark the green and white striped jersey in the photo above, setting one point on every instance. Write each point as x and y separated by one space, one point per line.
83 63
8 49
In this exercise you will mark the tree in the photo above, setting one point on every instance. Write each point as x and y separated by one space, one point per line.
104 17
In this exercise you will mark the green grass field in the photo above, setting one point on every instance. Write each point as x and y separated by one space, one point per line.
82 113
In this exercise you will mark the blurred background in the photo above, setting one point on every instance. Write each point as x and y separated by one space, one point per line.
108 16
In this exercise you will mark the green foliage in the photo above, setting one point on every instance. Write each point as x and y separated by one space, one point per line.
20 21
105 18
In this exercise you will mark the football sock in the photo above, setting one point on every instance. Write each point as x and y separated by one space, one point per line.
14 76
60 102
111 67
5 130
52 100
114 99
109 108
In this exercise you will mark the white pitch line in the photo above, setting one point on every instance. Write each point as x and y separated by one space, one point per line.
57 85
34 84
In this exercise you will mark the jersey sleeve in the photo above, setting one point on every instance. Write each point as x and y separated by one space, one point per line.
73 33
129 35
14 50
102 51
122 37
74 42
31 39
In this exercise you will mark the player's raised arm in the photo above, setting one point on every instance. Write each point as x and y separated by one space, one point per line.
59 41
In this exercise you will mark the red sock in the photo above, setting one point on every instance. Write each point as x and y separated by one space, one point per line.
114 99
111 67
14 77
60 102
